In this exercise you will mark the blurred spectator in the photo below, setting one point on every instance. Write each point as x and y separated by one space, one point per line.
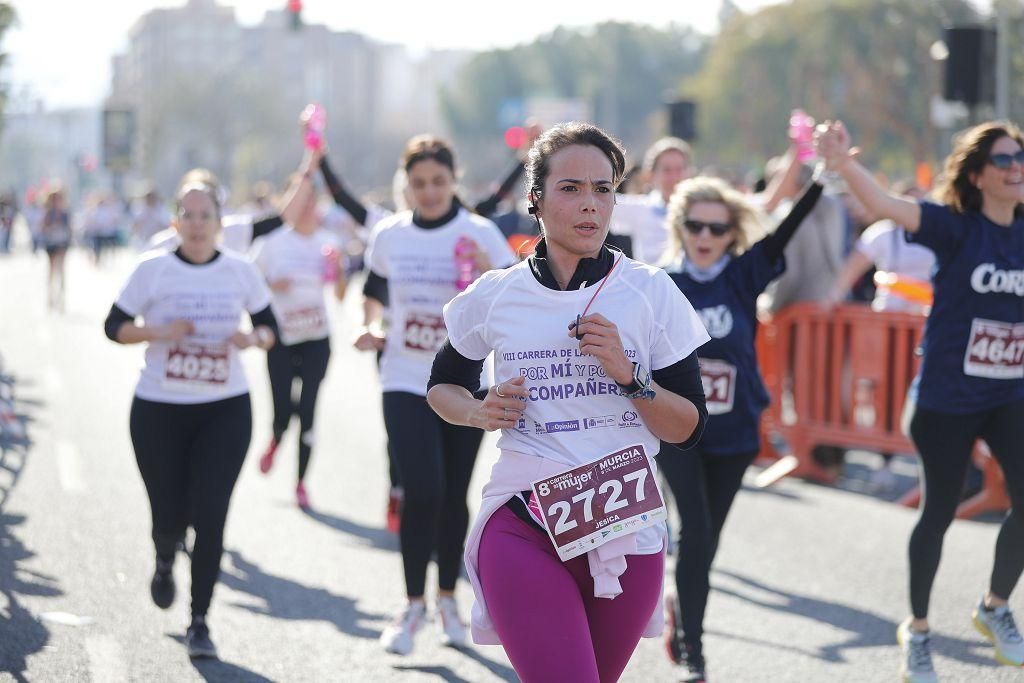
815 254
8 212
102 224
883 246
33 213
149 218
642 219
55 234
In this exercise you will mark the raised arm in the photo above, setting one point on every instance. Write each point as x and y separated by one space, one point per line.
487 207
833 143
776 242
342 197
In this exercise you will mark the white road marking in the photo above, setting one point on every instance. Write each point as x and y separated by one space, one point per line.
106 659
69 467
53 380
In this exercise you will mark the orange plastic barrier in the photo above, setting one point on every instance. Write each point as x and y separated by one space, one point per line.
523 245
839 377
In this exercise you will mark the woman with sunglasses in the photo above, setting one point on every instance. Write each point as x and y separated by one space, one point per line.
970 383
622 376
723 269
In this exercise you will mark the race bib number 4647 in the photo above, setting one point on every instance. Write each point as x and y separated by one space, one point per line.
995 350
587 506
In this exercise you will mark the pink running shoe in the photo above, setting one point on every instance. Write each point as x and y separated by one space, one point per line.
267 459
301 497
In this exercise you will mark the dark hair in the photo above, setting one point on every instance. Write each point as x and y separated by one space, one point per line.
564 135
971 151
423 147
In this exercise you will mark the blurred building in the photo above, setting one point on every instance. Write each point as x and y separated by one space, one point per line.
41 147
207 91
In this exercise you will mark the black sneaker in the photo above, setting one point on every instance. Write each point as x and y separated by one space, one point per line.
162 588
197 640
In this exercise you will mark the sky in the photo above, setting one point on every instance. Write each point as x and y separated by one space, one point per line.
61 49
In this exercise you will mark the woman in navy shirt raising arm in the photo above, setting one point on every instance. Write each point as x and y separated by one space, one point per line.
969 385
722 271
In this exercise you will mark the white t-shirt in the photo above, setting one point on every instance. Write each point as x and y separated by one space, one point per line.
575 413
301 311
644 219
148 221
203 367
884 245
419 265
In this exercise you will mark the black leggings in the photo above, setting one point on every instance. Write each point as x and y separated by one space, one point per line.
189 457
704 487
435 461
307 362
944 443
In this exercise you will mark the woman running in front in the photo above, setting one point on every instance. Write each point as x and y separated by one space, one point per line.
722 265
970 384
425 256
191 419
597 352
297 261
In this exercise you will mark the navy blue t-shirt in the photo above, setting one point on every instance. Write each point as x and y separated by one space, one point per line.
736 395
974 337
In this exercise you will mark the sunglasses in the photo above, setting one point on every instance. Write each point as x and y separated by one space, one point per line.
1004 161
697 227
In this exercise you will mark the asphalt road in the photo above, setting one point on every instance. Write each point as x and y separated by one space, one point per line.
809 585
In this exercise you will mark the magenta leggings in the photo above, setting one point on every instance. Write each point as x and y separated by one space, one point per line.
544 610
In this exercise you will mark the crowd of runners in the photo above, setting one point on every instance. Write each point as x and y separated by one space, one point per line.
609 337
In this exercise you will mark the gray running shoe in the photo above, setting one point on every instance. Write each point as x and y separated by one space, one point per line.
197 640
915 655
998 626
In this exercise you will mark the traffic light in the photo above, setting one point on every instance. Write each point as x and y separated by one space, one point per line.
294 9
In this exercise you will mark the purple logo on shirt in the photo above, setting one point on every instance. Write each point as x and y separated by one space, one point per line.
562 426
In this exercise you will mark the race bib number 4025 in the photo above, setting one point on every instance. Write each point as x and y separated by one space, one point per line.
995 350
195 367
590 505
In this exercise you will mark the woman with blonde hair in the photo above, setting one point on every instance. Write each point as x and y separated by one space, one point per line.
724 263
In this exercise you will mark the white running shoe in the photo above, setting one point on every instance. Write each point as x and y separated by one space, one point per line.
398 637
454 630
998 626
915 655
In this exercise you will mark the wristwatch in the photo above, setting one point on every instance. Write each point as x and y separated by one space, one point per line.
640 386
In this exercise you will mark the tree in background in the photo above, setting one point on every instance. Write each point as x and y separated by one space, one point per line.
7 19
622 71
865 61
